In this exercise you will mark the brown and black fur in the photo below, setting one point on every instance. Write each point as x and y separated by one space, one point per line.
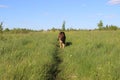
62 38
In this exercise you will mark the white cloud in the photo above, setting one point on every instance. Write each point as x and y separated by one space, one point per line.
3 6
113 2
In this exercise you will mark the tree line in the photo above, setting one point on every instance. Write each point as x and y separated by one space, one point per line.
24 30
107 27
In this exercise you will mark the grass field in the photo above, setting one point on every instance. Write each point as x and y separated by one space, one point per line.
92 55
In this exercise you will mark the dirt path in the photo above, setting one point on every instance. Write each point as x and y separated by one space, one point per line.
54 68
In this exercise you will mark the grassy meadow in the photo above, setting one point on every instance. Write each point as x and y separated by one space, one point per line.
91 55
26 56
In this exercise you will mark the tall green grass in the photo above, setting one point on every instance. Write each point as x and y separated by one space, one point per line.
93 55
26 56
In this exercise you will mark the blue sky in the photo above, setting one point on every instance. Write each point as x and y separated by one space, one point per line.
45 14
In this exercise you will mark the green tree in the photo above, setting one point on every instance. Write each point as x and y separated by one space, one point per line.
63 26
1 27
53 29
6 29
100 25
107 27
113 27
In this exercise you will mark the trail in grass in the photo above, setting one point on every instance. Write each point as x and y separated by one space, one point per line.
54 67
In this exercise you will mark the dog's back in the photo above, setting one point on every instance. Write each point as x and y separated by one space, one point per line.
62 39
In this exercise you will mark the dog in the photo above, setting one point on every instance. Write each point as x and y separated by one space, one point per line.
62 38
